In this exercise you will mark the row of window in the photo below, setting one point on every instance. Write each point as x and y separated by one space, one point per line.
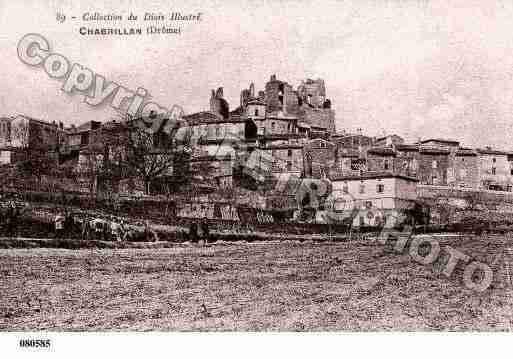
494 171
380 188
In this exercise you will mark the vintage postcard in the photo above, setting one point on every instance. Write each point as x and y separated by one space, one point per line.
333 166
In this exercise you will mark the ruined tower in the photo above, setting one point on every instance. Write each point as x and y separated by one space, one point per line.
218 105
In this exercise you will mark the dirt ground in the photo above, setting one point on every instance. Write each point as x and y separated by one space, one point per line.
249 286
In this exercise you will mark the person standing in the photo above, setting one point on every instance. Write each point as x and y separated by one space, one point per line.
98 229
114 230
86 229
150 232
205 231
193 232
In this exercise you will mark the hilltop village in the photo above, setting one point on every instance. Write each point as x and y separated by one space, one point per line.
291 130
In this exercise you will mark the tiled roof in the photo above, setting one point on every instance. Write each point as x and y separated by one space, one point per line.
282 146
434 150
348 152
388 136
372 175
489 151
466 152
283 136
201 117
441 140
405 147
382 151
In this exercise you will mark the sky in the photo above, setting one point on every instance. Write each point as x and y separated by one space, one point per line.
419 69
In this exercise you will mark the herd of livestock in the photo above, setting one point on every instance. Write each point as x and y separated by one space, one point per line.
64 222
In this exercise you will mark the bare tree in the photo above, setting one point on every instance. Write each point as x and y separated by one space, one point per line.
146 153
146 159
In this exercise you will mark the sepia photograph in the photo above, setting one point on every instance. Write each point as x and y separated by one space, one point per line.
255 166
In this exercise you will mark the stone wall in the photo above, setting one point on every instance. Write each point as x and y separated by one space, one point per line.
320 157
279 96
286 159
319 117
463 171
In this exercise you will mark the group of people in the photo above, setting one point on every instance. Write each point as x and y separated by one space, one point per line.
106 229
103 228
199 231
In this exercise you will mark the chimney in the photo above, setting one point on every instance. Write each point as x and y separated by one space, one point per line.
273 77
252 90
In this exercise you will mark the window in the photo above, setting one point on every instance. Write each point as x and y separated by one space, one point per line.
345 188
386 165
272 126
380 188
494 170
494 160
256 111
511 171
217 131
84 139
362 221
362 188
289 166
289 153
368 204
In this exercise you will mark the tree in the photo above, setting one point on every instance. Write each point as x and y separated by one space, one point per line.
145 152
33 157
130 148
147 161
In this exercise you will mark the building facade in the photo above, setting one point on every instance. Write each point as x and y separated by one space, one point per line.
375 199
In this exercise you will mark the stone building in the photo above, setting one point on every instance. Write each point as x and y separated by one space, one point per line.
20 133
389 141
357 141
443 162
79 136
314 108
463 171
382 159
348 162
276 122
280 97
428 165
320 158
495 169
